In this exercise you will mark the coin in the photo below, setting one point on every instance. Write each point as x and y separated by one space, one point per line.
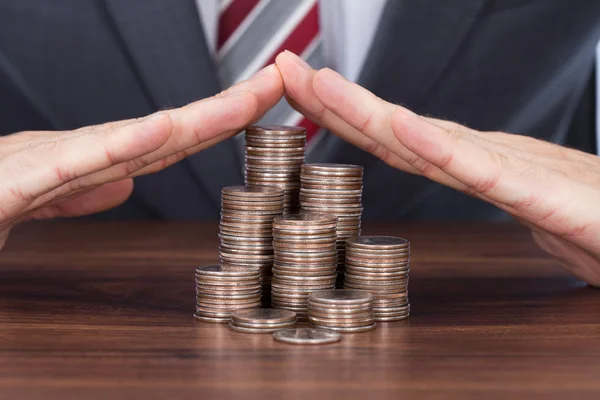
379 242
338 296
263 316
262 320
306 336
251 191
224 271
349 329
217 320
275 130
246 329
346 322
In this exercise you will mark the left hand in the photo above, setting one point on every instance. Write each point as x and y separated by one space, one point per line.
71 173
553 190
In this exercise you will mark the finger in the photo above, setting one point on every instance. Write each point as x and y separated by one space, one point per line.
45 166
203 124
372 116
88 202
540 195
18 141
574 259
298 81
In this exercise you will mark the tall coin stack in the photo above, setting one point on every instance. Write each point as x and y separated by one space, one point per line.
342 310
380 265
274 155
221 289
335 189
246 229
305 259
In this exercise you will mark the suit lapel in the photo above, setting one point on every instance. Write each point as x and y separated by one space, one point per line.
415 41
166 43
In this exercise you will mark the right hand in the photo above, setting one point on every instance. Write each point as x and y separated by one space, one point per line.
73 173
553 190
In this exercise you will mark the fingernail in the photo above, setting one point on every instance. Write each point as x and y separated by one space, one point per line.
297 60
334 73
263 72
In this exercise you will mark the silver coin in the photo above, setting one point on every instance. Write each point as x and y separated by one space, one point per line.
251 191
255 200
304 218
271 152
304 272
268 326
392 319
349 322
306 336
326 192
339 307
338 315
325 229
275 130
345 296
218 270
217 320
268 142
381 242
276 209
343 188
244 329
263 316
349 329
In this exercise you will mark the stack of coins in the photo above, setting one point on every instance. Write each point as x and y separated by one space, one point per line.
274 155
305 259
335 189
245 229
223 289
261 320
342 310
380 265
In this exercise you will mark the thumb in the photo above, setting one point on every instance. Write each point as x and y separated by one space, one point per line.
98 199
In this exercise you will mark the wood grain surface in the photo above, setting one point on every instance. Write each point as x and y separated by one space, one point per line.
104 310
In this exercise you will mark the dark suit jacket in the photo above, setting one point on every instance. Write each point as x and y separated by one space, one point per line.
511 65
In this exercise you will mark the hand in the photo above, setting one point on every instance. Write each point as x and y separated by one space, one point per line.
553 190
72 173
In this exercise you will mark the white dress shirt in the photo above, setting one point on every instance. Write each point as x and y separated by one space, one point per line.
347 30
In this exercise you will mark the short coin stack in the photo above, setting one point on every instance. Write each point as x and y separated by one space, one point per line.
380 265
305 259
261 320
223 289
335 189
274 155
245 229
342 310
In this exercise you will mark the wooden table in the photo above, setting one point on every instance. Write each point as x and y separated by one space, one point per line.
104 310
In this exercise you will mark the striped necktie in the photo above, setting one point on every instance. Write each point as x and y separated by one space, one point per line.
252 33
